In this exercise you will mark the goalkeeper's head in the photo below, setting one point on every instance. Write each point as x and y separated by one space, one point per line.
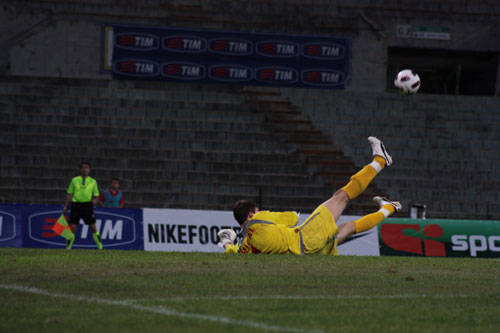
244 210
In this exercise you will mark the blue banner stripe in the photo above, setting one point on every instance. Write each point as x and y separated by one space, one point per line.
172 54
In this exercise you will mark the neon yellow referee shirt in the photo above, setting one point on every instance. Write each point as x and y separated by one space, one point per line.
83 191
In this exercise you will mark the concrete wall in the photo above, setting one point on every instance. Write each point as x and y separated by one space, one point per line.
445 147
63 38
445 150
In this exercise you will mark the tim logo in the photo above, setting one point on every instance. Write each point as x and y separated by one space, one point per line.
116 230
323 51
183 71
7 226
137 41
322 77
282 49
189 44
408 238
132 67
230 73
230 46
276 75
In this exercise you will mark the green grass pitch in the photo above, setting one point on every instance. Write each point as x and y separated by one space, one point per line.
129 291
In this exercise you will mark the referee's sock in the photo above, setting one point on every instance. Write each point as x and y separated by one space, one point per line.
69 242
359 182
371 220
97 240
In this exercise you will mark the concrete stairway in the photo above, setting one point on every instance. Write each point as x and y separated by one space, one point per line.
321 153
184 146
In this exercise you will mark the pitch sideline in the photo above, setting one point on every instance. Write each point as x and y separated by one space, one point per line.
156 309
305 297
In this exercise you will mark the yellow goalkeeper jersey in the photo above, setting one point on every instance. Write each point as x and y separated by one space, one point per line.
276 233
269 232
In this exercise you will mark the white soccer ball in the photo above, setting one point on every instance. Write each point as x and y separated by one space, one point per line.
407 81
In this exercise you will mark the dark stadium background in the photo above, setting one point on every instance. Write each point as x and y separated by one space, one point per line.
205 146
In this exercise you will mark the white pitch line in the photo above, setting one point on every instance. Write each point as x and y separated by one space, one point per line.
305 297
156 309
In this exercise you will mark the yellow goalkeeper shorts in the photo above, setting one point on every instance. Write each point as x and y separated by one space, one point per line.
317 230
330 249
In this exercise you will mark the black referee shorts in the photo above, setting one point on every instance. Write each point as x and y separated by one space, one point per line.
82 210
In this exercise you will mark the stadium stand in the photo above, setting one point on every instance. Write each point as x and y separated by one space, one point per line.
204 146
173 148
446 147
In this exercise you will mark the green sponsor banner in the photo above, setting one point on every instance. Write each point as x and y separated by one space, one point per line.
423 32
439 238
423 28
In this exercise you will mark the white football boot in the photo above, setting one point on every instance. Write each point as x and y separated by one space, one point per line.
385 201
378 149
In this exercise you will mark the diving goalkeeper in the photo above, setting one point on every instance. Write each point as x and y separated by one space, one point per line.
276 232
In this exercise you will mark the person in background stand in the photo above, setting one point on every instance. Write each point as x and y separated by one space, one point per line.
112 197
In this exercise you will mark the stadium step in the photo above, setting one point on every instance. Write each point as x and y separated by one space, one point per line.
210 145
307 139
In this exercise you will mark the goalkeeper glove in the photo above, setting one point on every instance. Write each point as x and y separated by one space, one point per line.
226 236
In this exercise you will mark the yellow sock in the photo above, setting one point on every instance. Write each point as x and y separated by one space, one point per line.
369 221
359 182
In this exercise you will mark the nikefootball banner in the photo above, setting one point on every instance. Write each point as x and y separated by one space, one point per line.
189 230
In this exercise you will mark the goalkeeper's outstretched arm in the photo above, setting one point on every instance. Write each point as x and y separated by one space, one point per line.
226 240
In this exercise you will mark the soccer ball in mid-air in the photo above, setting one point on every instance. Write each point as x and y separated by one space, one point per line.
407 81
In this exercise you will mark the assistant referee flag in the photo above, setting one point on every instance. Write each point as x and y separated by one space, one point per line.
62 229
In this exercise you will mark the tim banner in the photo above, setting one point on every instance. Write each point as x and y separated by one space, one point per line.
31 226
11 234
440 238
196 230
187 55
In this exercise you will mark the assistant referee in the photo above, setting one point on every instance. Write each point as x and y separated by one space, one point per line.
82 193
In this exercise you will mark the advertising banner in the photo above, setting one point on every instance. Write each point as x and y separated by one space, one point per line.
31 226
187 55
362 244
439 238
119 228
185 230
196 230
11 218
